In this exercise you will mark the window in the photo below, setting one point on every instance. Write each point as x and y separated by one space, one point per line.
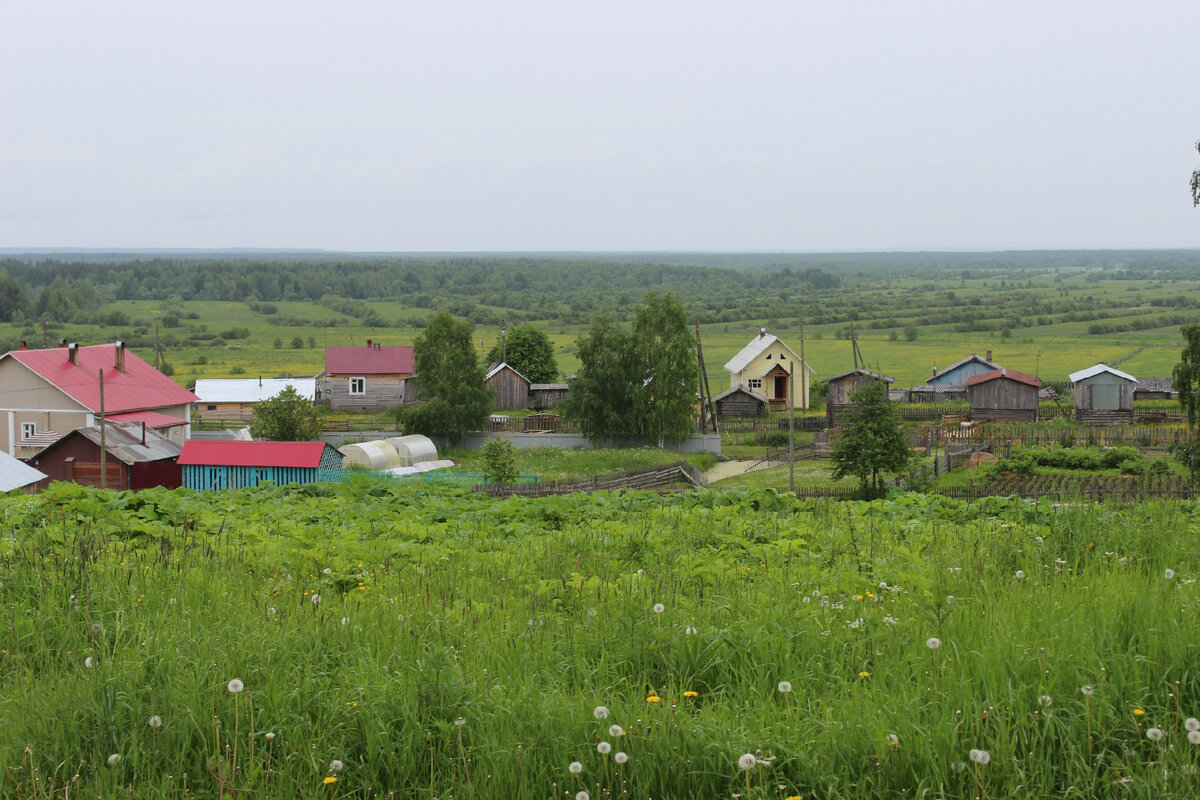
28 429
358 386
756 383
210 408
768 356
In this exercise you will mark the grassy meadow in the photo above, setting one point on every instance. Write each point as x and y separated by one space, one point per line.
358 641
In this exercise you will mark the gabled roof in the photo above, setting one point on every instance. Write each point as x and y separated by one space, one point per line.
967 360
251 390
375 360
124 443
1155 385
502 366
753 350
138 386
743 390
1010 374
15 474
203 452
152 419
860 371
1084 374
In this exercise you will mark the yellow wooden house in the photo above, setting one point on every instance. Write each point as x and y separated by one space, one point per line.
765 366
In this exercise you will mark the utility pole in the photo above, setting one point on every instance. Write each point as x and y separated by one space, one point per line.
792 428
103 442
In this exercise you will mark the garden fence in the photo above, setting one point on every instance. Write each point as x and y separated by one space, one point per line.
650 478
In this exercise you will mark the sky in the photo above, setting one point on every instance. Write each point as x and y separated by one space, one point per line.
618 126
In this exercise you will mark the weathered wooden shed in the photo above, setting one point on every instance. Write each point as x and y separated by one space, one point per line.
137 457
739 401
1103 395
1154 389
510 386
842 386
958 373
547 395
1003 394
210 465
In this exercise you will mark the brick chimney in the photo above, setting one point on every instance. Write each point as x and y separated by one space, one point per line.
368 344
762 332
119 361
22 345
73 353
988 357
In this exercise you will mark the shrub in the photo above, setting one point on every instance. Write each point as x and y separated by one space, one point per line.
499 461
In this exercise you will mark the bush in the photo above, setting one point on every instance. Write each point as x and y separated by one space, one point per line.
776 439
499 461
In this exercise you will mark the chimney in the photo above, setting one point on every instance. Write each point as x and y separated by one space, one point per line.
22 345
762 332
62 342
934 375
119 361
988 357
369 344
73 353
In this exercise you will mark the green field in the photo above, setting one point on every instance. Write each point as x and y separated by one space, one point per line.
435 643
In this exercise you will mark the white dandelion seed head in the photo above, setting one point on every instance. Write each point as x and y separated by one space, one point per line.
582 795
603 748
326 571
1088 691
958 766
155 721
1168 573
893 740
616 731
345 620
270 737
1020 574
1038 539
659 608
336 766
1194 737
88 662
1123 560
690 631
981 756
600 712
747 761
316 599
234 686
1045 700
784 687
621 757
72 599
933 643
460 721
113 759
1192 724
949 599
1154 734
96 628
575 768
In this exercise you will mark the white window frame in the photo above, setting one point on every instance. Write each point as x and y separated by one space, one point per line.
361 382
28 430
754 383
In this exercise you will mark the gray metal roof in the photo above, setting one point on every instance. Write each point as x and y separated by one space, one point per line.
1084 374
251 390
15 474
125 442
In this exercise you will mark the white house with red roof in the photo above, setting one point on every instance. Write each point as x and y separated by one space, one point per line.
367 378
48 393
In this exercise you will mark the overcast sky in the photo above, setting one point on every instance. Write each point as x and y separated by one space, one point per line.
576 125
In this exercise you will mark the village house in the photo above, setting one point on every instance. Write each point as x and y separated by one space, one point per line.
510 386
765 366
370 378
136 457
235 398
1003 394
52 391
950 383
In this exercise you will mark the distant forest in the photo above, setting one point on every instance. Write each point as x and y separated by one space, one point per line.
570 288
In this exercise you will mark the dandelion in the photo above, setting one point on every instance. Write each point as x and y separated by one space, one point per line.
603 748
326 571
1194 737
329 779
96 628
234 686
155 721
113 759
689 693
1045 700
621 757
864 674
575 768
1192 724
893 740
784 687
933 643
316 599
1088 691
659 608
270 737
1154 734
616 731
88 662
345 620
600 712
1137 712
336 766
949 599
653 699
981 756
460 721
582 795
690 631
747 761
1169 573
1020 574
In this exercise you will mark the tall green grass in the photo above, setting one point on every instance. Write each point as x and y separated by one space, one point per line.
460 646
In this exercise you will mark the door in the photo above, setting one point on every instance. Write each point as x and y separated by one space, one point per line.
781 383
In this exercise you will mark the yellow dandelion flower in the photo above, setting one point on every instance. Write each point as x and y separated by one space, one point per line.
1137 712
653 699
691 694
330 779
864 674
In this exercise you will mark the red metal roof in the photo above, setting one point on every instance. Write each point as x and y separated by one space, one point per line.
139 386
224 453
369 360
153 419
1011 374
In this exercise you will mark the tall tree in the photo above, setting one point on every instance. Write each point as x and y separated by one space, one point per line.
449 381
528 351
287 417
873 443
667 376
1186 380
601 396
1196 182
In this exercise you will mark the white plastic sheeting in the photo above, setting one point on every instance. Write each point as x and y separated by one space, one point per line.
377 455
413 449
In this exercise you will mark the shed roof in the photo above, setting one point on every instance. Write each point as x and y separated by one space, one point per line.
860 371
1084 374
743 390
1011 374
503 365
15 474
152 419
1155 385
138 386
125 442
967 360
374 360
251 390
548 387
199 452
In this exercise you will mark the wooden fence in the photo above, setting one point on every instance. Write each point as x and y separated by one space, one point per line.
1007 436
651 478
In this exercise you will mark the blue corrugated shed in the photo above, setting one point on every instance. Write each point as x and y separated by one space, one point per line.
216 465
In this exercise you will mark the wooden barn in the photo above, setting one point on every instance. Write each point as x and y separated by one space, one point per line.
842 386
1003 394
136 457
1154 389
547 395
739 401
370 378
510 386
211 465
1103 395
958 373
